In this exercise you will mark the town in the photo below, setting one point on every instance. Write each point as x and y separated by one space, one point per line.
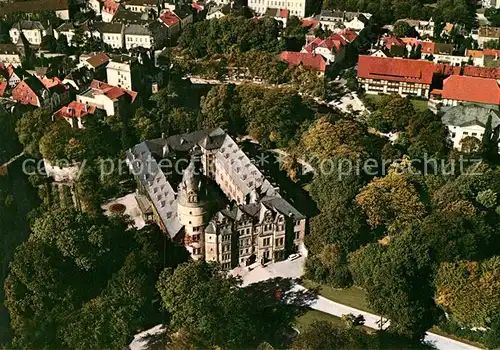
257 174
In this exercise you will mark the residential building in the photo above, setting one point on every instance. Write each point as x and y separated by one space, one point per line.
260 226
333 48
459 89
74 113
9 73
171 21
120 73
31 91
68 29
140 5
469 121
9 54
423 28
279 15
59 7
491 4
95 5
295 7
340 20
307 60
107 97
218 11
111 34
94 60
148 36
109 9
80 79
33 31
482 72
477 57
486 34
395 75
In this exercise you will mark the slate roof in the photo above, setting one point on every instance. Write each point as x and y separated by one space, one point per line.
30 25
464 115
9 49
105 27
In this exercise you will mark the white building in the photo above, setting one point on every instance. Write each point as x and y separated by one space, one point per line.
95 5
296 7
105 96
140 5
111 34
9 55
34 31
340 20
119 74
486 34
491 4
469 120
109 9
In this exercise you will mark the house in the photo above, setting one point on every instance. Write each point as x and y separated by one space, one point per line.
279 15
395 75
170 20
31 91
74 113
459 89
95 5
469 121
107 97
33 31
120 73
9 54
68 29
221 10
477 57
308 60
11 76
148 36
333 48
295 7
55 86
140 5
491 4
94 61
111 34
79 79
340 20
260 226
423 28
59 7
109 9
486 34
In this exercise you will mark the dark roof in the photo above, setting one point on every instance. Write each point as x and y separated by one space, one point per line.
29 25
104 27
9 49
33 6
463 115
128 17
141 2
36 85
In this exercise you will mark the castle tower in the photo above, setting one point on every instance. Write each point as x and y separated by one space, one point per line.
192 210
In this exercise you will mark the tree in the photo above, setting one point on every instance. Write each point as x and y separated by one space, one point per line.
401 29
208 304
398 280
390 201
469 144
31 128
393 114
54 144
330 267
468 291
9 142
49 43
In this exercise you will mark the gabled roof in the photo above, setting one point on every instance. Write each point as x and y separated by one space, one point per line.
9 49
463 115
111 6
489 32
277 13
112 92
471 89
3 86
483 72
393 40
310 22
477 53
30 25
74 110
98 59
169 18
105 27
308 60
491 52
395 69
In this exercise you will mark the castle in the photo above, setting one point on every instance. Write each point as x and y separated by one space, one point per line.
259 226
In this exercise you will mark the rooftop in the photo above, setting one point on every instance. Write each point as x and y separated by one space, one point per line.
308 60
74 110
465 115
471 89
169 18
396 69
33 6
98 59
483 72
489 32
112 92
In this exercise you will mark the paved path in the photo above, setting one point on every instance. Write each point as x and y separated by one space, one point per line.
294 269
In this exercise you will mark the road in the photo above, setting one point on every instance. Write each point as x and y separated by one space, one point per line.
294 269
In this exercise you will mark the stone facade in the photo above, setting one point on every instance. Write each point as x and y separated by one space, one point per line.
258 226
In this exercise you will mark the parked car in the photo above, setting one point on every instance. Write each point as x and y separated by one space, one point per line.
293 257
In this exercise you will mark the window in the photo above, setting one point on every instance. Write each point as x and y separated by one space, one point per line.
474 134
196 251
196 228
267 241
466 133
297 234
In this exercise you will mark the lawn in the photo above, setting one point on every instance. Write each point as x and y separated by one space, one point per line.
353 297
305 320
419 105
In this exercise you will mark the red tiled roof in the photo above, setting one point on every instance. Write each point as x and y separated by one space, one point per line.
491 52
111 6
197 7
428 47
313 61
283 13
111 91
349 35
169 18
471 89
10 70
3 86
446 69
23 94
98 59
395 69
51 82
74 110
483 72
336 40
410 41
390 41
310 22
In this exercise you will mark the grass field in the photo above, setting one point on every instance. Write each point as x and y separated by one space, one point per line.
353 297
305 320
420 105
